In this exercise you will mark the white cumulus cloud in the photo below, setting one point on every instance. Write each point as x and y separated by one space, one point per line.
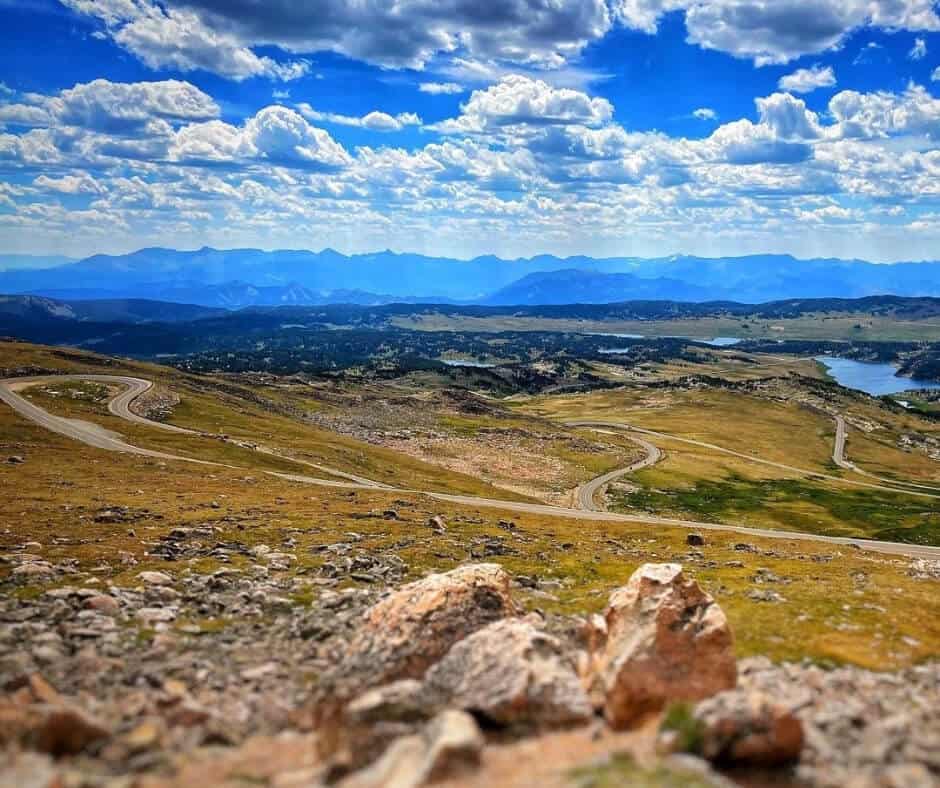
439 88
276 135
374 121
518 100
778 31
919 50
221 35
806 80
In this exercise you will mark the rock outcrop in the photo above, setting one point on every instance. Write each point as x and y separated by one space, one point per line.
405 633
664 639
511 673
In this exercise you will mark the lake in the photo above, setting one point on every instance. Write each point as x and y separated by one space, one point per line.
872 378
467 362
714 342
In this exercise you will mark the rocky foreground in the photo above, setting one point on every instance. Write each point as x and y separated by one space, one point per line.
444 680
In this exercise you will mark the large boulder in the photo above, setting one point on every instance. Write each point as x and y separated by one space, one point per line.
748 728
405 633
511 673
665 640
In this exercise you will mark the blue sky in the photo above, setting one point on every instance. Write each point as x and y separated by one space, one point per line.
605 127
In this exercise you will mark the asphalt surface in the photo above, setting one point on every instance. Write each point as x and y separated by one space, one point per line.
838 457
93 435
838 446
757 460
586 494
86 432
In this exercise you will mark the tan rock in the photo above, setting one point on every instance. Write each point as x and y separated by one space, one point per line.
510 672
155 578
449 744
24 769
454 745
402 635
665 640
66 731
378 717
42 690
144 736
103 603
405 633
748 728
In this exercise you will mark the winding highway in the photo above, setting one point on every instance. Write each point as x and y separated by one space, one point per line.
838 457
586 494
758 460
84 431
94 435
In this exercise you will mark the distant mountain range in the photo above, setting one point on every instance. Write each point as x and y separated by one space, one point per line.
572 286
11 262
232 279
127 310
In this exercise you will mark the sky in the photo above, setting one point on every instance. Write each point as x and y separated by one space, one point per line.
469 127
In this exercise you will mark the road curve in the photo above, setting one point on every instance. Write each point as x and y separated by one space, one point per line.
84 431
838 457
586 494
93 435
752 458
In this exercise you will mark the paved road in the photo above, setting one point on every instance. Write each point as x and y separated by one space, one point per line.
838 446
84 431
838 457
587 493
752 458
93 435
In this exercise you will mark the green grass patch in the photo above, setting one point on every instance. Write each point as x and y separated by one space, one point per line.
796 504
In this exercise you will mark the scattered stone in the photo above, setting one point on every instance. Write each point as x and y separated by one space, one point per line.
155 615
695 540
377 718
665 640
66 731
923 569
449 745
104 604
765 595
260 671
155 578
144 736
747 728
437 524
33 569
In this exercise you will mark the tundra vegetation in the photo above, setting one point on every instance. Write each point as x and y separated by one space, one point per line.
180 610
